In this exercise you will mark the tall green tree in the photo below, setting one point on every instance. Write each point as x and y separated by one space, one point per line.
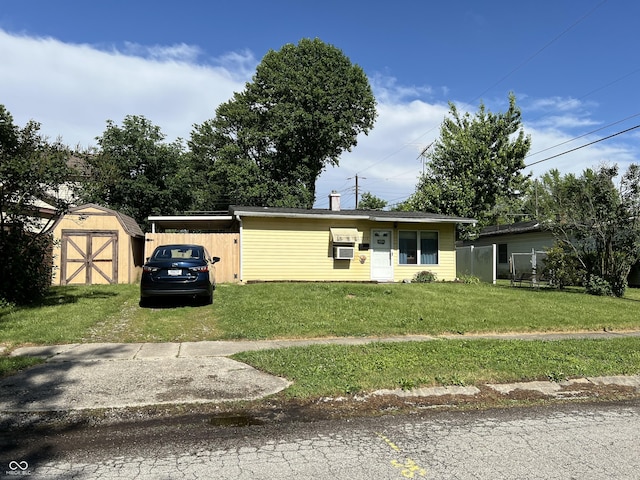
136 172
34 178
475 166
305 105
596 223
371 202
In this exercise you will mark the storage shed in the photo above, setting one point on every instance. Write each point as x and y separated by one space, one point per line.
96 245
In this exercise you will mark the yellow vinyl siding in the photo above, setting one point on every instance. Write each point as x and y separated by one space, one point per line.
446 267
299 249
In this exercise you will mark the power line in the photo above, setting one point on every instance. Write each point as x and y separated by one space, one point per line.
583 146
518 67
400 199
583 135
547 45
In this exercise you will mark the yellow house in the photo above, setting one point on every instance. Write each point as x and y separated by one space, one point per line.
290 244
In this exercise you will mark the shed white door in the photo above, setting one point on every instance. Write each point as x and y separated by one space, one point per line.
381 255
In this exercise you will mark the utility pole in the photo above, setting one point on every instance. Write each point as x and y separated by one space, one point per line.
357 187
423 155
356 191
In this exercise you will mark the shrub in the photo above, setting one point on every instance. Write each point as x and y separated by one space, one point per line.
469 279
562 266
598 286
27 267
424 276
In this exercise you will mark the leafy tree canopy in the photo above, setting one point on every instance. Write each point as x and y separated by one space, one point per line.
33 174
32 171
475 165
305 105
595 221
134 171
371 202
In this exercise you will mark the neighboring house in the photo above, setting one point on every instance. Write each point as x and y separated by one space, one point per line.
520 237
290 244
523 237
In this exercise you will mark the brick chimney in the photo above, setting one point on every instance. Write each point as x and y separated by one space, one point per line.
334 201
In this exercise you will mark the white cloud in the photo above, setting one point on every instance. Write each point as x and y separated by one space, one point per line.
180 52
388 90
551 149
555 104
387 160
72 89
560 122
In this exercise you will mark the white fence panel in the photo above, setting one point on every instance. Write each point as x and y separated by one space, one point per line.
527 268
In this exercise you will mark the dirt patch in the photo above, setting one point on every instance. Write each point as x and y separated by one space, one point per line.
281 409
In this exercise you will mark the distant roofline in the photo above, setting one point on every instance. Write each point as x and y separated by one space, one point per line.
518 227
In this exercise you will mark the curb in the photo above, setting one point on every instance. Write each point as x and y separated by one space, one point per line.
547 388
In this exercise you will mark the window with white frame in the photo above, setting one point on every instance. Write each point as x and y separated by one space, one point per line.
418 248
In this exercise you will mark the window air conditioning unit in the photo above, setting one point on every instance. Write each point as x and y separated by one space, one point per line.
343 253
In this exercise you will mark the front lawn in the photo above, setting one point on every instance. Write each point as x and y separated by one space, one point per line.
111 313
334 370
291 310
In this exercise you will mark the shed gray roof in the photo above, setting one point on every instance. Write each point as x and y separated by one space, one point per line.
128 223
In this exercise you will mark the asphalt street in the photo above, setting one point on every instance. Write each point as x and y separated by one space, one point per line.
555 442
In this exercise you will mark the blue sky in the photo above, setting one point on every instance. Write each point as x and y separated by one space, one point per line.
573 66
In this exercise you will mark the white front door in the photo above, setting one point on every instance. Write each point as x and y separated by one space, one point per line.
381 255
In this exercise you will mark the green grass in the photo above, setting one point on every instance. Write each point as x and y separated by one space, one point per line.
323 310
79 314
111 313
103 313
10 365
66 314
330 370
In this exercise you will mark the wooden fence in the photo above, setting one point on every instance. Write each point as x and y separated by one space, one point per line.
223 245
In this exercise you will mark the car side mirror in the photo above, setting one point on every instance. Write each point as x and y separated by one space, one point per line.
215 259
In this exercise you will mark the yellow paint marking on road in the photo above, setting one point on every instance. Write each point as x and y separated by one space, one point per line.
389 442
408 468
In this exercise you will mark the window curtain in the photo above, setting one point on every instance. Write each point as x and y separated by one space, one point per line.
408 243
429 248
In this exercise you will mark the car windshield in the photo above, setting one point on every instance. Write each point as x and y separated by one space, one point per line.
171 253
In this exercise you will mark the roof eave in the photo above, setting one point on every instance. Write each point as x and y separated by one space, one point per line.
330 216
422 219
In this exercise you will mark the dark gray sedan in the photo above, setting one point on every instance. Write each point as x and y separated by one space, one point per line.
178 270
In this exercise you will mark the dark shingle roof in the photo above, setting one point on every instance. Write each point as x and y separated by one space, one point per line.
518 227
374 215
